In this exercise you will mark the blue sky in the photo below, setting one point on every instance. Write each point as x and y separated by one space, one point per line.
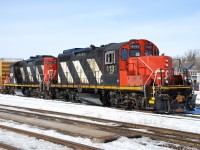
37 27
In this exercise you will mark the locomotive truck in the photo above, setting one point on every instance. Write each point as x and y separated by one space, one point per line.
131 74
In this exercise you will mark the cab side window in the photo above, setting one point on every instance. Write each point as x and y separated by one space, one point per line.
124 54
110 57
156 52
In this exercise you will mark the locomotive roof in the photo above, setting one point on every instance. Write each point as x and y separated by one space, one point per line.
14 63
75 50
30 59
42 56
33 58
114 46
111 46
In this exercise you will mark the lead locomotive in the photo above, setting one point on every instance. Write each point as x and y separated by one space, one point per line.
131 74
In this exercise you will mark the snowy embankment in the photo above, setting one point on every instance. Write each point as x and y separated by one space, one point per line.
81 109
159 120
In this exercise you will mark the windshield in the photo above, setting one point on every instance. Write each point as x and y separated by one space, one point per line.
148 52
134 53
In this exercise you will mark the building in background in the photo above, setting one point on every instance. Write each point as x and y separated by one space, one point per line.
4 68
192 69
198 82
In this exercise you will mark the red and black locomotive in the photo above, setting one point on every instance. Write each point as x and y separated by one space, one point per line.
130 74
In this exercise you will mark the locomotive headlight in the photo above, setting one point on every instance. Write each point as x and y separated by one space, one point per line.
166 82
166 60
166 65
188 81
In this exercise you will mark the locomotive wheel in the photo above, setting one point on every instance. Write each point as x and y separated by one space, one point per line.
104 99
27 93
67 97
129 105
12 92
46 95
144 103
135 104
76 98
189 104
162 105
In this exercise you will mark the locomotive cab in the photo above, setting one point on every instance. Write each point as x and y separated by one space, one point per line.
141 66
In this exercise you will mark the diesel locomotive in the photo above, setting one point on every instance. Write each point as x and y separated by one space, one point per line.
131 74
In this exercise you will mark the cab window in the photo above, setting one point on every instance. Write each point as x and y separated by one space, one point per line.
110 57
148 50
135 50
148 53
124 54
135 53
156 52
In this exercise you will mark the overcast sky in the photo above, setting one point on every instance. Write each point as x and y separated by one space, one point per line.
36 27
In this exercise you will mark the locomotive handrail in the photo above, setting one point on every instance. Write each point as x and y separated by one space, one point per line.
148 77
148 68
50 79
155 77
157 72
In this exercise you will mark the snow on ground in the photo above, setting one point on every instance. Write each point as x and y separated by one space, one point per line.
25 142
166 121
32 143
159 120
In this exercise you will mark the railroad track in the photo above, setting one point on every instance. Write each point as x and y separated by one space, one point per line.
44 137
8 147
188 116
121 128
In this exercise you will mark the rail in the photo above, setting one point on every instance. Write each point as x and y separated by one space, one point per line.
49 138
168 135
8 147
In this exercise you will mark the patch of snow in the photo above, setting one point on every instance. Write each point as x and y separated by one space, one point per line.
158 120
121 143
26 142
64 117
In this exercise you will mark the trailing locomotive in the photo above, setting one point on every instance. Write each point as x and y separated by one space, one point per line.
130 74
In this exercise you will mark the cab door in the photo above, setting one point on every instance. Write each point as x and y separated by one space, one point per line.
123 62
111 70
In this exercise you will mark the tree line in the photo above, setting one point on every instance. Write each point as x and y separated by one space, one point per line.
192 55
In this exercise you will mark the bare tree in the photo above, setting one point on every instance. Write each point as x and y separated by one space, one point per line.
191 55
